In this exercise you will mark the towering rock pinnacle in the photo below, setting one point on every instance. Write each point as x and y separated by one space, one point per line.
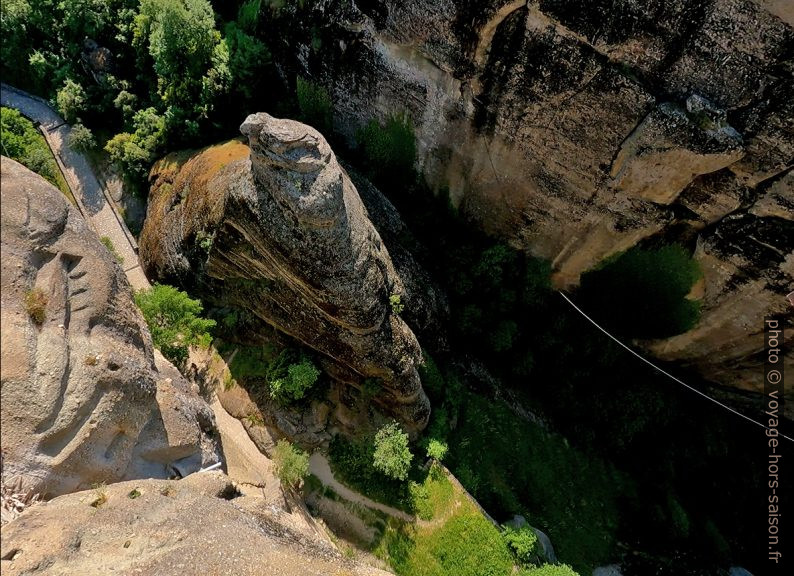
278 229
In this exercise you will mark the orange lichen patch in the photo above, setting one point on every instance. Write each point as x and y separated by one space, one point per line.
186 178
211 160
167 167
192 187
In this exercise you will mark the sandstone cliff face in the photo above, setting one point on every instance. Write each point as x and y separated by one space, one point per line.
577 129
291 243
84 401
748 264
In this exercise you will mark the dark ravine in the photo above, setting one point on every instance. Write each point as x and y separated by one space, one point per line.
577 130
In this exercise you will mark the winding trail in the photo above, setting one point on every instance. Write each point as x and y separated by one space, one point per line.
318 465
93 200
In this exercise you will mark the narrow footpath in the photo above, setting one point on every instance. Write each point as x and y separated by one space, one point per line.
318 465
94 202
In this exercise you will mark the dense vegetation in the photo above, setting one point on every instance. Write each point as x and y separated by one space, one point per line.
149 75
175 321
618 413
284 374
292 464
20 141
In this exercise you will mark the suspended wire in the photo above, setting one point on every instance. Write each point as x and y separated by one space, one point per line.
651 364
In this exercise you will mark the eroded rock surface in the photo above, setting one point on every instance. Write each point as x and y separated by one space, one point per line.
279 230
161 528
83 401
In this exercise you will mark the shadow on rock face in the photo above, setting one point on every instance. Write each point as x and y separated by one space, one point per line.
79 382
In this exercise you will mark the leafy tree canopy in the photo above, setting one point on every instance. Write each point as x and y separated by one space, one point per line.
392 455
174 320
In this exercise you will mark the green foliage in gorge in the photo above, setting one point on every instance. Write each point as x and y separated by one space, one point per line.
315 105
293 385
175 321
292 464
392 455
650 285
389 151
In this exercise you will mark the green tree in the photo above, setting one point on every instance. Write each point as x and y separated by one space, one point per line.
81 138
523 543
392 455
300 377
436 449
126 102
85 18
175 321
135 152
248 57
15 29
189 59
71 100
292 464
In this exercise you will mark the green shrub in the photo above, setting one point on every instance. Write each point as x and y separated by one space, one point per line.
315 105
175 321
21 141
642 293
36 305
81 138
299 379
389 151
292 464
550 570
523 543
436 449
397 307
71 100
108 243
392 455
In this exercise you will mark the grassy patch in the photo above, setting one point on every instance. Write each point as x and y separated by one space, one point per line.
108 243
513 465
457 541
